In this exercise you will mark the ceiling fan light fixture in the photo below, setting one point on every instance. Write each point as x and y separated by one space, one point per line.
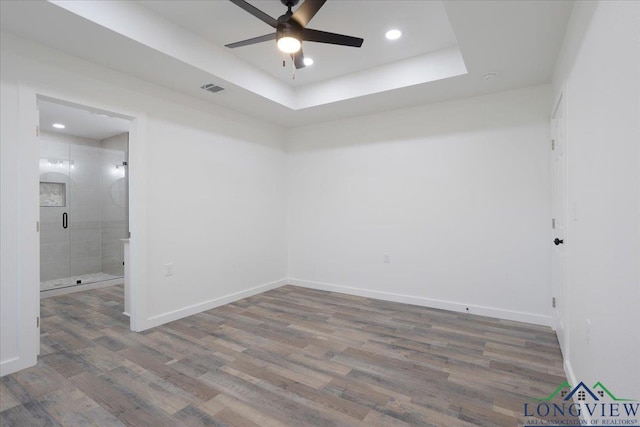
308 61
291 29
288 44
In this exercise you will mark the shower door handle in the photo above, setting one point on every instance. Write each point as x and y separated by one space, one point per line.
65 220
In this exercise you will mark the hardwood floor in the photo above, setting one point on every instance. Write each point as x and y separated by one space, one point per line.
287 357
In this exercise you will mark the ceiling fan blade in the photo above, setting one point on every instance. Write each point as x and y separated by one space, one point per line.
331 38
298 59
254 40
307 11
256 12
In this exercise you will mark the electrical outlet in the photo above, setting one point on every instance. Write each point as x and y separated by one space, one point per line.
588 331
387 257
168 269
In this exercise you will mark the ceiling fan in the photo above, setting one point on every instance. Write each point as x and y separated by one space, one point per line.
291 29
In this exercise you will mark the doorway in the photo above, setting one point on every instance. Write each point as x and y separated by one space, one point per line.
20 161
83 198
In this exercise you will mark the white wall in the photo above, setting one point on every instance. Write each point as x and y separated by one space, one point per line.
207 190
458 193
599 72
219 210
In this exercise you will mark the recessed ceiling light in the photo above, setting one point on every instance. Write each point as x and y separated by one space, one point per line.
308 61
59 126
393 34
489 76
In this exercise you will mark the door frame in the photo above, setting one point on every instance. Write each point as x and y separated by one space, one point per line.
27 257
136 130
28 207
559 289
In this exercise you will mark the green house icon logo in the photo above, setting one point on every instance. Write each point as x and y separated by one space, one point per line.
582 392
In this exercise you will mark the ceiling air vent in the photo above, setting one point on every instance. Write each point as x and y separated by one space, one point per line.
210 87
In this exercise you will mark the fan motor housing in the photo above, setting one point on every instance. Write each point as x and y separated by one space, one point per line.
289 3
288 29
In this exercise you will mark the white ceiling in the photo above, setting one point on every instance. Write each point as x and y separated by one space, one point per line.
425 26
80 122
180 45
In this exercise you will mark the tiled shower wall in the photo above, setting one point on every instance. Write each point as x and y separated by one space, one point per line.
94 203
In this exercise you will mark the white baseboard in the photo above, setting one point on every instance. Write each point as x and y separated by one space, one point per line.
571 377
536 319
15 364
170 316
9 366
568 370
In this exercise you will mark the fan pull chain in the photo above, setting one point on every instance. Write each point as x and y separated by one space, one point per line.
293 68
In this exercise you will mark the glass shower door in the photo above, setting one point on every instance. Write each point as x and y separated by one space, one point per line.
84 225
55 166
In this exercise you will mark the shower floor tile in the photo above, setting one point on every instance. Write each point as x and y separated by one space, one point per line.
71 281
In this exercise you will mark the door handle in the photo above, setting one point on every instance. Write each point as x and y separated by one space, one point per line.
65 220
558 241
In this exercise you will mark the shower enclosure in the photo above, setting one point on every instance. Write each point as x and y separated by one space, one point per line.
83 210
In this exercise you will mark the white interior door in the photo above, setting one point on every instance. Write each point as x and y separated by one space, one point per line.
558 225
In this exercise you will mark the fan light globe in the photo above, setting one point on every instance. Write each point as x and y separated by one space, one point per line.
289 44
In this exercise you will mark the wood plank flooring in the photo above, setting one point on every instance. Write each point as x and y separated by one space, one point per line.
287 357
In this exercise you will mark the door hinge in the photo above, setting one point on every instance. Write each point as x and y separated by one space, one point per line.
553 144
553 223
553 302
37 130
37 226
38 322
124 163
